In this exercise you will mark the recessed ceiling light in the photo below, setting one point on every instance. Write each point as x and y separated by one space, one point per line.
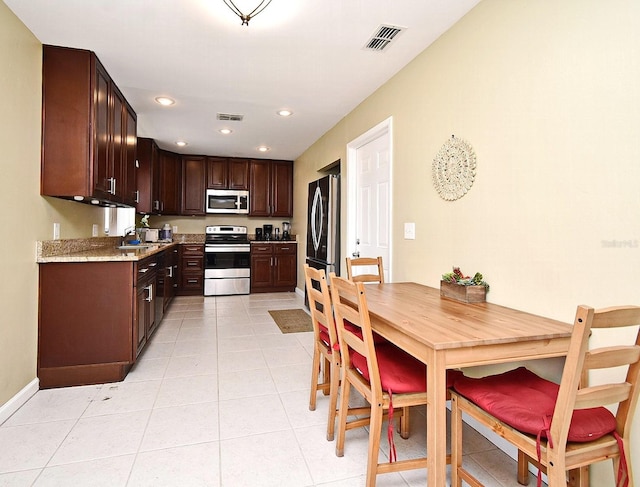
263 148
181 143
225 131
285 113
165 101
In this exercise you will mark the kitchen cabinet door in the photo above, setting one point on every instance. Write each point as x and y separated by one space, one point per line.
238 174
259 188
282 189
217 173
285 269
227 173
102 163
271 188
148 172
131 193
170 183
194 174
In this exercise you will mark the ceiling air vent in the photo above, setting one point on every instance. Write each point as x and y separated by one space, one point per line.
383 37
229 117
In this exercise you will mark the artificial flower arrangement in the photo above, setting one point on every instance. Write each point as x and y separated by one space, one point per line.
144 221
457 277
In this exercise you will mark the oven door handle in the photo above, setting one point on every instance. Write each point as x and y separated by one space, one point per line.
228 248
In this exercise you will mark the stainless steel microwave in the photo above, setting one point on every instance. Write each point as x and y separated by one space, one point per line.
227 201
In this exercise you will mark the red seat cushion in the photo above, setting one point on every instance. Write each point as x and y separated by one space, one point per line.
399 371
356 330
526 402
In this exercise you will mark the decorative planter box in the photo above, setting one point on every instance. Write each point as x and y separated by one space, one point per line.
465 294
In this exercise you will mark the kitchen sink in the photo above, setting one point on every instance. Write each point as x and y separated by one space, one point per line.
129 247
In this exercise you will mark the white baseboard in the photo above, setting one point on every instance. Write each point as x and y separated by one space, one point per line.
300 292
13 404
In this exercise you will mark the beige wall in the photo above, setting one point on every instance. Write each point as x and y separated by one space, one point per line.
25 216
548 95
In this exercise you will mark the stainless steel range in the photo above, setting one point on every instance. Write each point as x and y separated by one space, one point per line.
227 267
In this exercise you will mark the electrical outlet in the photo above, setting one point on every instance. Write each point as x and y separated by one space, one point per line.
94 230
56 231
175 229
409 231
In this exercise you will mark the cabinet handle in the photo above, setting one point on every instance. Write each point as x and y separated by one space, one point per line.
112 185
156 205
170 269
149 289
153 264
136 196
284 248
192 281
142 271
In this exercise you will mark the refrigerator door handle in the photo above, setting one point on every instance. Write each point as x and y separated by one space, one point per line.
356 254
316 233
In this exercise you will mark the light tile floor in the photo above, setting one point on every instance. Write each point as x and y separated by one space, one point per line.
219 397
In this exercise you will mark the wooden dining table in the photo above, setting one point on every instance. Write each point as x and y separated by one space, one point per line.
447 334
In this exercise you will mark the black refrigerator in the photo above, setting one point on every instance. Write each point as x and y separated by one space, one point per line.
323 224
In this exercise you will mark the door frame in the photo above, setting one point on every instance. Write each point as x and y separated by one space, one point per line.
384 128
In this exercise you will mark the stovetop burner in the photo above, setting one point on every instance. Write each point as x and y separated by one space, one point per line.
225 235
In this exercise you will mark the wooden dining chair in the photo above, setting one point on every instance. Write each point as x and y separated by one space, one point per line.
566 427
368 262
326 351
386 376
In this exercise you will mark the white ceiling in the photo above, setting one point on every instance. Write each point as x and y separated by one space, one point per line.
304 55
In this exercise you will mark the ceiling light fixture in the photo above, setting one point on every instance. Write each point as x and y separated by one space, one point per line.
181 143
165 101
247 17
225 131
285 113
263 148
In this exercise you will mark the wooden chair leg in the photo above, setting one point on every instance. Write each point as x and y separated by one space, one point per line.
334 382
456 443
375 430
315 370
326 375
404 423
523 468
343 411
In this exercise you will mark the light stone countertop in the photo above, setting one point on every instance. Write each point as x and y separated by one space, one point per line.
106 254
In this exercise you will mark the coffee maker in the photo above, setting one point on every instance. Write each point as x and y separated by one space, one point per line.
258 233
286 230
267 232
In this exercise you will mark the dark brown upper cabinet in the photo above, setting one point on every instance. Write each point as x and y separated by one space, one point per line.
227 173
88 131
271 188
194 174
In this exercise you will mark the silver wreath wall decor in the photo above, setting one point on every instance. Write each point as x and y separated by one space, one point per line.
454 169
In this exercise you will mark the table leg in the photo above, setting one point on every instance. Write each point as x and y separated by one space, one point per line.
436 420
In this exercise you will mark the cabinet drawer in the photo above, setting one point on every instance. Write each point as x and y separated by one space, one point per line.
287 249
192 249
262 249
192 264
192 282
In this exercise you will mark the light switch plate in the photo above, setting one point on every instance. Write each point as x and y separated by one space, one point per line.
94 230
409 231
56 231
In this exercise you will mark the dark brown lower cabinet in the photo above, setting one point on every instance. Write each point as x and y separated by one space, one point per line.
273 267
191 266
95 318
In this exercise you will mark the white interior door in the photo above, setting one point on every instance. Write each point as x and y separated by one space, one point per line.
369 201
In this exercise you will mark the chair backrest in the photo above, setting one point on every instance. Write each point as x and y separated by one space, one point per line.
365 262
320 304
350 307
576 393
